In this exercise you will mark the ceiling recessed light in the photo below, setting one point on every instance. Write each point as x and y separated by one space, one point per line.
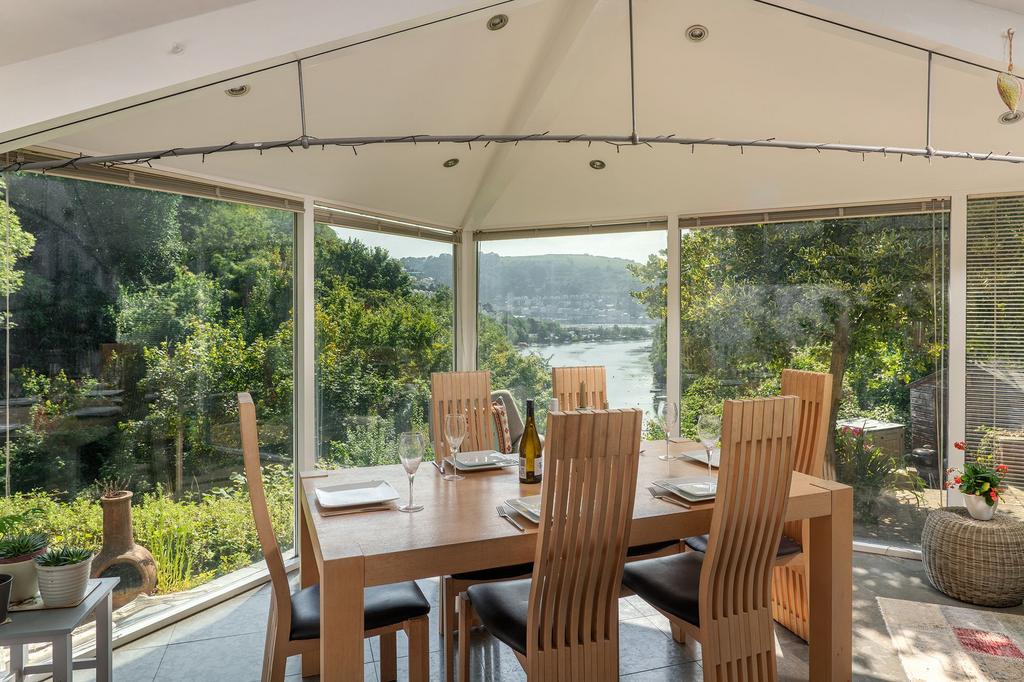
597 164
697 32
497 22
237 91
451 163
1009 117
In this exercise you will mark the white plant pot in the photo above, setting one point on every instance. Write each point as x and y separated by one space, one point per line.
26 582
978 508
64 585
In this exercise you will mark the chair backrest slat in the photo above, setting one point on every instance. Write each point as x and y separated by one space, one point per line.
566 382
468 393
758 452
260 512
590 473
814 389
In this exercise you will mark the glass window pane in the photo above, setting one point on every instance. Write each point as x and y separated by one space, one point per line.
572 301
384 312
863 299
135 317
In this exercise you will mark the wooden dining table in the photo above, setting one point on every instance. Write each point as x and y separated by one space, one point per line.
459 530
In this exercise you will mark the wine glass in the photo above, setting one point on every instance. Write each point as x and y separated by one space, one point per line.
668 417
410 452
709 431
455 426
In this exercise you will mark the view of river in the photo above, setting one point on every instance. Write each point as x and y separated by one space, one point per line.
628 367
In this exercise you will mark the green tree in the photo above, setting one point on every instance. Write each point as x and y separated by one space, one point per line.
756 299
17 245
165 312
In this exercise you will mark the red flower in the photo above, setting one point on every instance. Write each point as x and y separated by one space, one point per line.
992 494
957 479
1002 468
858 432
960 445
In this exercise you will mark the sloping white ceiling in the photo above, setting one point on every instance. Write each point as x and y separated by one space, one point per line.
761 73
38 27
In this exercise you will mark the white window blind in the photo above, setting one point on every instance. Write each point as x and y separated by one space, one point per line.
995 330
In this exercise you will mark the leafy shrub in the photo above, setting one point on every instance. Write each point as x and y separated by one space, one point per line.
870 471
193 539
704 395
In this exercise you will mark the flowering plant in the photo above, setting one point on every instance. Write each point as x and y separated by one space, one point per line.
980 476
871 471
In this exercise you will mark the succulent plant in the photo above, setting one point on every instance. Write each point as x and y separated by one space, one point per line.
64 556
21 545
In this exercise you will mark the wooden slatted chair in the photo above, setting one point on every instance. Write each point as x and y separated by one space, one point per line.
293 626
468 393
814 389
789 584
563 622
723 598
566 383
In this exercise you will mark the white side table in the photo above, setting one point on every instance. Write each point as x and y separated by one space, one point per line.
55 626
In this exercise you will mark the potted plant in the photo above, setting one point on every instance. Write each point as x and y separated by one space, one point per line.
980 482
18 551
64 575
5 596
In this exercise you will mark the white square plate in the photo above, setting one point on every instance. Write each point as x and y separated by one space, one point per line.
479 458
355 494
702 456
527 506
690 488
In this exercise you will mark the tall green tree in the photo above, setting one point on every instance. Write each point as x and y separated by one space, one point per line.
756 298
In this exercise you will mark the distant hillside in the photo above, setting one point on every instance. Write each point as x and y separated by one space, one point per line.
571 289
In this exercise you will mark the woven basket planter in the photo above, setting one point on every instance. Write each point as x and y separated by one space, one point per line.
979 562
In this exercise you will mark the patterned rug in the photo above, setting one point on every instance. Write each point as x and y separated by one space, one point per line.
937 643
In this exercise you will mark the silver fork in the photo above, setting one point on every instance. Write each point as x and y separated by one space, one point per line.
503 513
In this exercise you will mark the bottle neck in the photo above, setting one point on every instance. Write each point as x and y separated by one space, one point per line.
529 409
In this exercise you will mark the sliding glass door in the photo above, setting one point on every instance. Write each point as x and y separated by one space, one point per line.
862 298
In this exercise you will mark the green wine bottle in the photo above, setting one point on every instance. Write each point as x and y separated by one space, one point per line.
531 457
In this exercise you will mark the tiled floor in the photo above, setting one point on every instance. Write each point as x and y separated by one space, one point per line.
225 643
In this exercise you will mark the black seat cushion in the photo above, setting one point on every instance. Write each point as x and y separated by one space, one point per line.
502 608
500 573
650 548
787 546
670 583
382 605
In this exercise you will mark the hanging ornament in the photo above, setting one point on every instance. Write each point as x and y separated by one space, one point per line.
1009 88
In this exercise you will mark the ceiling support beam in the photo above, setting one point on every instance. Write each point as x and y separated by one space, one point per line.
563 32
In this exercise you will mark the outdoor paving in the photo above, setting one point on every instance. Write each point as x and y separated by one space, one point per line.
225 643
901 515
